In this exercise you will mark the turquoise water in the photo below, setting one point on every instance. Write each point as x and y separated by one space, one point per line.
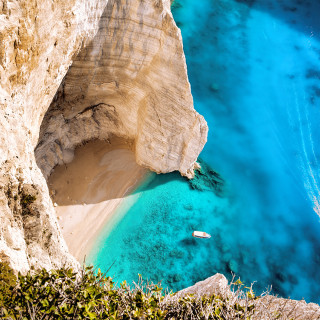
254 69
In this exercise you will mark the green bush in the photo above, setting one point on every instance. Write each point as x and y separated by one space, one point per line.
8 281
27 199
64 294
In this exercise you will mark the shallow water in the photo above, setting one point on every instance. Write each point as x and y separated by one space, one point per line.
254 68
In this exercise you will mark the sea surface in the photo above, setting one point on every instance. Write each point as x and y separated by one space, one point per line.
254 69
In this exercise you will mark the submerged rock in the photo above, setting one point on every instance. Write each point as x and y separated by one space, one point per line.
233 265
214 87
206 179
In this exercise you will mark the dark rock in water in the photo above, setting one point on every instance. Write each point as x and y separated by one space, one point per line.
179 24
214 87
233 266
290 9
225 248
313 74
176 254
189 242
280 276
292 279
173 278
188 207
311 99
316 91
206 179
276 287
176 4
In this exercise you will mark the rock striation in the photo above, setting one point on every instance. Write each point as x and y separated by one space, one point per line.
127 79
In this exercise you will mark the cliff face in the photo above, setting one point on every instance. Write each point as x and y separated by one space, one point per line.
128 78
129 81
38 39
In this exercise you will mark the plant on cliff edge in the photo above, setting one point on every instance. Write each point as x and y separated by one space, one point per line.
64 294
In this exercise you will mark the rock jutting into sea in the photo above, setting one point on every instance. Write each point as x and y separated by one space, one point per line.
206 179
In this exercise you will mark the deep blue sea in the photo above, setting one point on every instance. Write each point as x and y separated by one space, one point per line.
254 69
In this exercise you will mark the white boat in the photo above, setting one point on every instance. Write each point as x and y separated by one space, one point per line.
201 234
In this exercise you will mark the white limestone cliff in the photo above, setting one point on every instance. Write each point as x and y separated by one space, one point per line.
131 82
128 79
38 39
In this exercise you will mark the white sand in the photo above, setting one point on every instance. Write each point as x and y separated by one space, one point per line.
89 189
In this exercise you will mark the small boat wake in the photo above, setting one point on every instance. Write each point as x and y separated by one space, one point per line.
308 136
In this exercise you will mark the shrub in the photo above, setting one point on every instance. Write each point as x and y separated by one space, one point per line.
27 199
7 283
64 294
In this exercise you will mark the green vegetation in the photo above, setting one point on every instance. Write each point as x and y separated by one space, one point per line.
63 294
175 4
8 280
27 199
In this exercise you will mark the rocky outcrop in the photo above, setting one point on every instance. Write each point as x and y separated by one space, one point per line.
128 79
265 306
215 285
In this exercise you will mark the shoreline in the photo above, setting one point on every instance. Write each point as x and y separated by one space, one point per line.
88 191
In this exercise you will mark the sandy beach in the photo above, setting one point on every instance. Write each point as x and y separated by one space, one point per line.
87 191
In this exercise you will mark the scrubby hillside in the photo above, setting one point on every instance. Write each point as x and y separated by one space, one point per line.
63 294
